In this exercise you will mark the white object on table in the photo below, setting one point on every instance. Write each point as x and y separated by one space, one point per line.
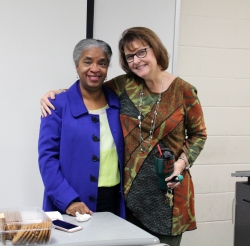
54 215
82 217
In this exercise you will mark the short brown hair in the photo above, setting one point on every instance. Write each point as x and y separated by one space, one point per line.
147 36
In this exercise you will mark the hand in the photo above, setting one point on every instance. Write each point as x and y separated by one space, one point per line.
46 105
179 166
78 207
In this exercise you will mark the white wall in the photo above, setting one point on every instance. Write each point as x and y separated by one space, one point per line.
36 46
214 55
113 17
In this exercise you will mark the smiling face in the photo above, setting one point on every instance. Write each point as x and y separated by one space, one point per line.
92 69
145 67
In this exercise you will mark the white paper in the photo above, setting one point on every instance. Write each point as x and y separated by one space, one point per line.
54 215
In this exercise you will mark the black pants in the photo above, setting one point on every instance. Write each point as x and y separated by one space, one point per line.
170 240
108 199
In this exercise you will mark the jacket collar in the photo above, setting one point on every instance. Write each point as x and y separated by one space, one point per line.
76 102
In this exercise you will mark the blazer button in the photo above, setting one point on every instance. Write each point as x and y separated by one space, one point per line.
95 138
93 178
94 119
92 199
95 158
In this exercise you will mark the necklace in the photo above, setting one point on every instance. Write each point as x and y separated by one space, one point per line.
152 126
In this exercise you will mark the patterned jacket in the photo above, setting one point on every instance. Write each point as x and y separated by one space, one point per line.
179 126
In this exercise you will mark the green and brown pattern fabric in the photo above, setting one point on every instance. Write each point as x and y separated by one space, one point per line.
179 126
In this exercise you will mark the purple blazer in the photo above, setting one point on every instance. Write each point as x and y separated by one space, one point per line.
69 153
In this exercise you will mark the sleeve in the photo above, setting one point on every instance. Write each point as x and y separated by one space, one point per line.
56 186
195 126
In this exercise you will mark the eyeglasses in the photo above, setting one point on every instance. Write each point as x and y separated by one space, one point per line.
140 54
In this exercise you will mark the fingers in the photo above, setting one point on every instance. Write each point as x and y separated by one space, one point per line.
178 168
43 112
50 94
171 176
173 185
78 207
168 178
46 105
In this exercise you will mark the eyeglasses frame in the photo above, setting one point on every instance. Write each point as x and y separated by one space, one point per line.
135 54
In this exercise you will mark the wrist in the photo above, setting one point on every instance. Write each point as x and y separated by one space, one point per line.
181 164
75 200
184 158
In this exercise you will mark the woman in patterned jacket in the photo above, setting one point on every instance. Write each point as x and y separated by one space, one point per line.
157 108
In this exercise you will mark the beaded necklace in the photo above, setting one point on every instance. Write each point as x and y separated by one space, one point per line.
152 127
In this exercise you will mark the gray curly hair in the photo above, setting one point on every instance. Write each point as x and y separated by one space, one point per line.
85 44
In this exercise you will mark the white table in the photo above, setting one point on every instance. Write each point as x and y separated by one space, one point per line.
103 229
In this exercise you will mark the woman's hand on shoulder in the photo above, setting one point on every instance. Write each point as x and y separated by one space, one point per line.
46 105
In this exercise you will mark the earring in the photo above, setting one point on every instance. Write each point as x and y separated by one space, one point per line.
77 76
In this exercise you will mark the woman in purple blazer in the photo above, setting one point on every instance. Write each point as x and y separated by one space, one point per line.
81 143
